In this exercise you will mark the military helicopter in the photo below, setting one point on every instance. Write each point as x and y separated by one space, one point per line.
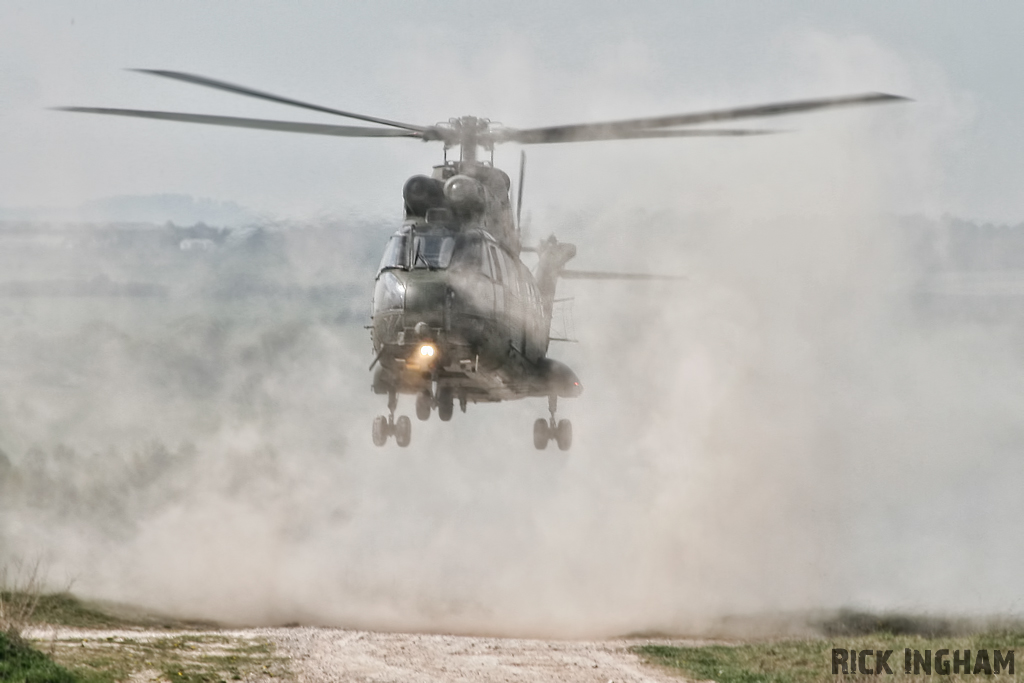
457 315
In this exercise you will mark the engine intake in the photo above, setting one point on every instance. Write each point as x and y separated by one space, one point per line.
422 193
465 194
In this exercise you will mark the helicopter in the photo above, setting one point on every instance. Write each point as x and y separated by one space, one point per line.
456 313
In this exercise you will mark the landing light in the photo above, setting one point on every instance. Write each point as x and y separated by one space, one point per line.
427 350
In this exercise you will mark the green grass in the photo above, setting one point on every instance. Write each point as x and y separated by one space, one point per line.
188 656
19 663
809 660
64 609
182 658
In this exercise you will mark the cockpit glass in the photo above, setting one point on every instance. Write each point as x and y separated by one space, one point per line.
468 256
428 251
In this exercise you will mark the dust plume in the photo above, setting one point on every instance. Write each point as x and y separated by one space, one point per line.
790 429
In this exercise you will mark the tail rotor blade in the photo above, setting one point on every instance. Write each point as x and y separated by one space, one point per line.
601 275
519 199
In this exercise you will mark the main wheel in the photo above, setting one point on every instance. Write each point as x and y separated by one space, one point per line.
563 434
445 405
380 430
541 434
424 403
403 431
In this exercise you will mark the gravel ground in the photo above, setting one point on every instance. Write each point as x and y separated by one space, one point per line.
324 655
328 655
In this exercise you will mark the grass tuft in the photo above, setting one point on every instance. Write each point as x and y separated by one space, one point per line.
809 660
20 589
19 663
856 623
64 609
182 658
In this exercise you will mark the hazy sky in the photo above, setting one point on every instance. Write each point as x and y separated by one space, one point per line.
522 63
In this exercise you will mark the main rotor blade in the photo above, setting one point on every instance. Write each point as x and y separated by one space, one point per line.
262 124
609 129
249 92
613 134
601 275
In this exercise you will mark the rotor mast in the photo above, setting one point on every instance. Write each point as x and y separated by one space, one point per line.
469 132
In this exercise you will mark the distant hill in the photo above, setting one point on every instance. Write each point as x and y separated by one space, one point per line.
156 208
955 244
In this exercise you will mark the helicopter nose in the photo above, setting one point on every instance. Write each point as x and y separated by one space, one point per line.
424 303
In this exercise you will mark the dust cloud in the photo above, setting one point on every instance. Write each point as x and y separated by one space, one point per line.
790 429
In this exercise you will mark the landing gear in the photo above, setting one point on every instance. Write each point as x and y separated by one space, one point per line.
563 435
382 428
445 404
403 431
546 430
424 404
385 426
541 435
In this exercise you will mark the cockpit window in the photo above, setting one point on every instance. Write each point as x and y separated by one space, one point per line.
428 251
469 256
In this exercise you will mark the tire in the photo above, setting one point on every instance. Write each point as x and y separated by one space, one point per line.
403 431
424 403
380 430
563 435
541 434
445 405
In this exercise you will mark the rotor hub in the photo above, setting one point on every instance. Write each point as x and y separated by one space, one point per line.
466 132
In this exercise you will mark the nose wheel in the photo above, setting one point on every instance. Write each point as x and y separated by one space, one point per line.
386 426
445 404
559 431
424 404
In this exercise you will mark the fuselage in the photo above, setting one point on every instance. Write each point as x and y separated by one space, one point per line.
455 310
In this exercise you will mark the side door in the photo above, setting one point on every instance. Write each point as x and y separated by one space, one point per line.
471 270
498 278
515 303
535 331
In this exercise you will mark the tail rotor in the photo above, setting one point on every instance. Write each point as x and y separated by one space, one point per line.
519 198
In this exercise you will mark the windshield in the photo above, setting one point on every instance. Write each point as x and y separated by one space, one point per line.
428 251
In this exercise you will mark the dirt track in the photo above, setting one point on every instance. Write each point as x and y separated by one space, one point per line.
322 655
